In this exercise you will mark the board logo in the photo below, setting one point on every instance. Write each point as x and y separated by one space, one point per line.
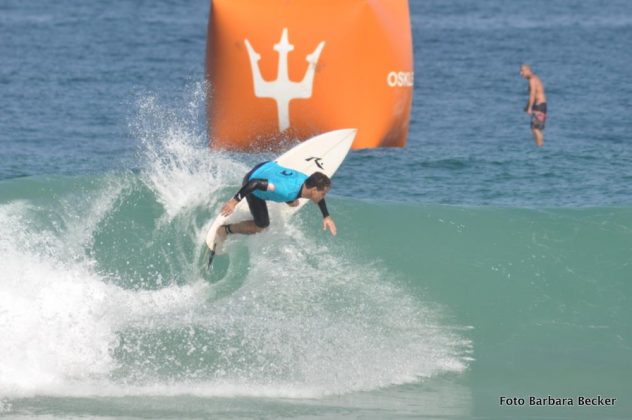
283 90
287 173
318 161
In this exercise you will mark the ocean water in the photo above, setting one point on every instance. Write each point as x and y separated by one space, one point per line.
469 266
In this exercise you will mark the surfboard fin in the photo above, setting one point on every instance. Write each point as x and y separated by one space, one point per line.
210 258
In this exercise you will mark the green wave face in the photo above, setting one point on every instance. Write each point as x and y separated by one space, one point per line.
547 293
110 273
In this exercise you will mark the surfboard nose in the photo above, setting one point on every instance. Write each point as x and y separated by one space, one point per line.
348 134
346 131
344 134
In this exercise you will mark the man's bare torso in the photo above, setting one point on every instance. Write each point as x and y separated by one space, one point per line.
537 89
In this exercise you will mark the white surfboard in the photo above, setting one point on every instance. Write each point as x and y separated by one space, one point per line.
323 153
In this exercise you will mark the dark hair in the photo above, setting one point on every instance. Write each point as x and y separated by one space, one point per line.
318 180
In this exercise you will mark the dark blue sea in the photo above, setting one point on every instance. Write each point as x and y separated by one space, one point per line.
470 268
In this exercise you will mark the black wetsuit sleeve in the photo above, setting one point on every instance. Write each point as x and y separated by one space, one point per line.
323 208
250 186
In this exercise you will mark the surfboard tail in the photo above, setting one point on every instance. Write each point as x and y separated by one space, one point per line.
210 259
294 69
214 250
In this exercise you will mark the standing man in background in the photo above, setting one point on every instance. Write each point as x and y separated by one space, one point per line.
536 106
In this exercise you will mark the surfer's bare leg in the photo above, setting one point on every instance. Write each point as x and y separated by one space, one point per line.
247 227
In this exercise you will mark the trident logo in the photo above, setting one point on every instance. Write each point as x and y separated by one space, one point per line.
283 90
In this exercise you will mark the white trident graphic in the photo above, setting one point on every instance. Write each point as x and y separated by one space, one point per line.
283 90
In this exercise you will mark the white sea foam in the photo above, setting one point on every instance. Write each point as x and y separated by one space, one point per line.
177 163
58 318
328 324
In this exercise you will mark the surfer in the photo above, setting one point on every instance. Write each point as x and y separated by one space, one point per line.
269 181
536 106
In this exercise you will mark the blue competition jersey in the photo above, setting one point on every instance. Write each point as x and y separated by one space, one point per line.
287 182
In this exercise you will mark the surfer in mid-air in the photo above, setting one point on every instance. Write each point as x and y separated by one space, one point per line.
270 181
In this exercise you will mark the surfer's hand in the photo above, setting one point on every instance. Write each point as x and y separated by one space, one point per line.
328 223
292 203
229 207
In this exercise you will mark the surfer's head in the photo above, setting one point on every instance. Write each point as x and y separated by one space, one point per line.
317 185
525 71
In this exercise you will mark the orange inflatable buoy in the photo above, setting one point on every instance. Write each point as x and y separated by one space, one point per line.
286 69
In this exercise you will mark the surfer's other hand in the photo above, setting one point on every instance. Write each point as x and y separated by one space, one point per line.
229 207
328 223
292 203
